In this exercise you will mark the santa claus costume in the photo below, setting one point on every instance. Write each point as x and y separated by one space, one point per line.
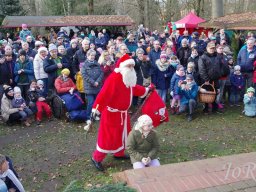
113 102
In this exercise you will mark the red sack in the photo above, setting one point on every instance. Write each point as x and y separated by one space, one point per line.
156 109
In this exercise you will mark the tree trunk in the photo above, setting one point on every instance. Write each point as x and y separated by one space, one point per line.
217 8
146 15
69 7
90 7
141 11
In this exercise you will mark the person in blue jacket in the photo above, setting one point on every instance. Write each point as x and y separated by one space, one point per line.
161 75
250 103
23 73
246 58
188 91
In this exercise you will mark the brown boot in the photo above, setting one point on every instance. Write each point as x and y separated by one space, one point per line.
26 123
172 109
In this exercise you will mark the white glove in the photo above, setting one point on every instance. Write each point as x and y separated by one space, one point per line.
95 114
95 111
171 93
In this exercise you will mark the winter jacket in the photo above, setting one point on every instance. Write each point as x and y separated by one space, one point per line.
209 67
100 42
107 70
11 65
174 83
132 46
79 57
33 95
237 82
143 69
70 53
249 106
16 103
31 53
24 33
254 72
51 68
154 55
64 86
186 95
92 73
38 64
6 108
5 74
246 59
183 54
139 146
27 66
161 78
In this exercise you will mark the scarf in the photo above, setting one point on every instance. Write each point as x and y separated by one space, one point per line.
162 66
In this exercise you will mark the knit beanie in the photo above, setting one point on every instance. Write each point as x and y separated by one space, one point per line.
237 68
16 90
250 89
40 82
65 72
52 47
7 88
42 49
38 43
163 55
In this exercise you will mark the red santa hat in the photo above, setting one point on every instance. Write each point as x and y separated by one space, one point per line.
124 61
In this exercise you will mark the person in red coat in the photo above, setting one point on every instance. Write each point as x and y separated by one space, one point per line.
64 84
254 75
113 103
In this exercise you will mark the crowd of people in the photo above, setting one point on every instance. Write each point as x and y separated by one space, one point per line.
180 66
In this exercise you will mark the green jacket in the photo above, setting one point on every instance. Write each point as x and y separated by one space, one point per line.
138 146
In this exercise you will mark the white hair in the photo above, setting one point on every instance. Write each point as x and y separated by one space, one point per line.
129 76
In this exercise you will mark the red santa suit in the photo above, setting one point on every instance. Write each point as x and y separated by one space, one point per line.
113 102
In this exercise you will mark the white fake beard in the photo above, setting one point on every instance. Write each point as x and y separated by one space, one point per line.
129 77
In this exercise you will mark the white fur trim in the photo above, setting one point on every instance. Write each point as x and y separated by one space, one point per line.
145 94
109 151
117 70
127 62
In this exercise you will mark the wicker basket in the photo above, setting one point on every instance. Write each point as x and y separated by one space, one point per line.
207 97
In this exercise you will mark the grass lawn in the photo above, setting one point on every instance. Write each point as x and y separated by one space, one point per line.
50 156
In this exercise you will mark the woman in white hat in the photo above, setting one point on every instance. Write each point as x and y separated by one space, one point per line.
142 144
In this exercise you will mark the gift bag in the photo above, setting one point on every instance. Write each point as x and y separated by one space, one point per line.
155 108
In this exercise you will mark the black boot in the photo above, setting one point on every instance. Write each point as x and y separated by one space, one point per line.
98 165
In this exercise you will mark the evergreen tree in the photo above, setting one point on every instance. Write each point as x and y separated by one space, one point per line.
11 8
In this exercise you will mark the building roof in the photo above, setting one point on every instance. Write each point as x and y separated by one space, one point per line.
238 21
74 20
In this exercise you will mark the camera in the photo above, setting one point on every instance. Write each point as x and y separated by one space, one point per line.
184 82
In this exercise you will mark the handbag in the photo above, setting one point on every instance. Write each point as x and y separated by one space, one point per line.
146 81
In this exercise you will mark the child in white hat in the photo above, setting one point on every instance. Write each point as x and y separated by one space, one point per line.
142 144
20 103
